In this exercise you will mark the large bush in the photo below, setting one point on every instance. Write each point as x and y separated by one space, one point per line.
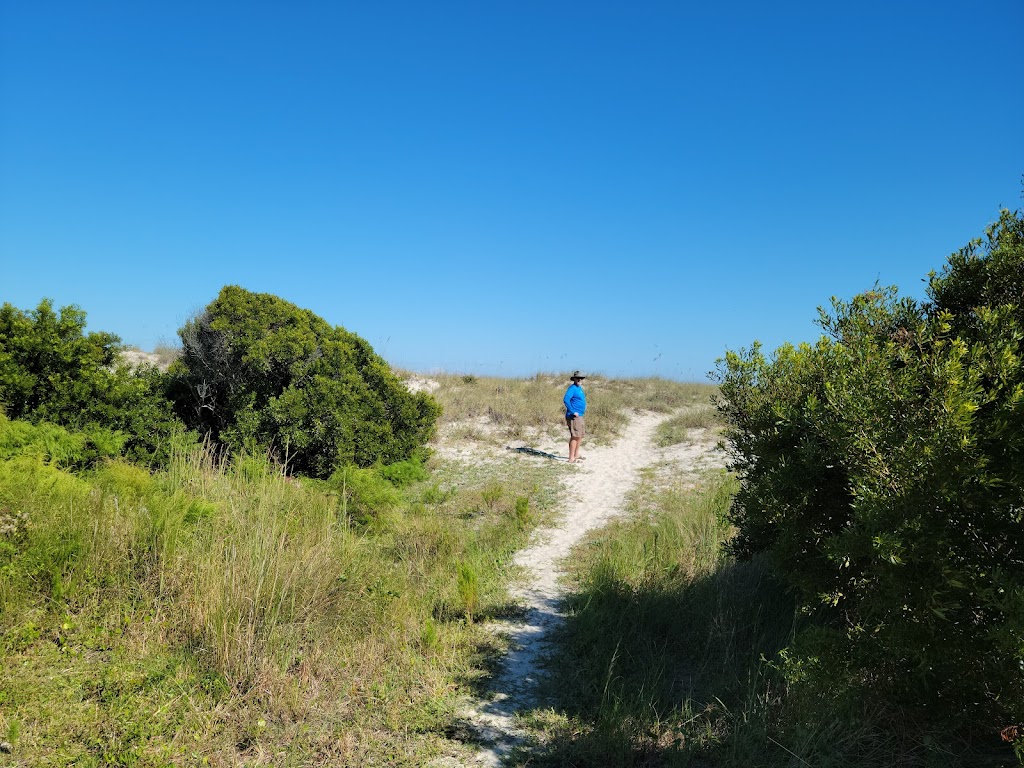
51 370
256 370
883 472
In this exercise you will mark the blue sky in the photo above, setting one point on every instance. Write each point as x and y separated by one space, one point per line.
498 187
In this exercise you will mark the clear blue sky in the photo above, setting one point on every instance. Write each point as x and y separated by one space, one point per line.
498 187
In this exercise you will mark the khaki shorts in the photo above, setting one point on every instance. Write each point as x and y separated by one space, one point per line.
575 424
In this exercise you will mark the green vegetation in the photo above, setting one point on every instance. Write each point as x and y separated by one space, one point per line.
677 654
254 373
883 476
201 606
57 446
258 371
52 371
222 613
855 597
657 626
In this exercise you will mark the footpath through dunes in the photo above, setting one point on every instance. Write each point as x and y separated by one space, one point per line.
595 492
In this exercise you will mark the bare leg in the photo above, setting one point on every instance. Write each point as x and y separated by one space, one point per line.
574 449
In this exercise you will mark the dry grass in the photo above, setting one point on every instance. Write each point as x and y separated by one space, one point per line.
166 354
494 410
679 428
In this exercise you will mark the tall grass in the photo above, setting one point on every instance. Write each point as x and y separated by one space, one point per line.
222 613
661 628
261 578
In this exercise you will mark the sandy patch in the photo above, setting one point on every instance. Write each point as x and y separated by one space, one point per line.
136 357
421 384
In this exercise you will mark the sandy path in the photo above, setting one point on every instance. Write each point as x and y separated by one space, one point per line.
595 491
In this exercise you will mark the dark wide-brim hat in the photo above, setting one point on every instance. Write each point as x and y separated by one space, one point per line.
578 375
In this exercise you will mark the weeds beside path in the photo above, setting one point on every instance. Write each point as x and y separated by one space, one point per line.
595 493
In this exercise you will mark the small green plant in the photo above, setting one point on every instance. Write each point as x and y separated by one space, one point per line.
436 494
468 586
492 494
429 637
364 493
404 473
523 514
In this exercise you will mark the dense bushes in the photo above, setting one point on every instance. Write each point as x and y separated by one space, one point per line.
883 472
257 370
52 371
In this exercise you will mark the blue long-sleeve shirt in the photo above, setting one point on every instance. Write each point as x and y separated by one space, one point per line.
575 401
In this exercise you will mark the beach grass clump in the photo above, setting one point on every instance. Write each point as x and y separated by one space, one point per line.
680 427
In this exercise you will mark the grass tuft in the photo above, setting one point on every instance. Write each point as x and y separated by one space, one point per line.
679 427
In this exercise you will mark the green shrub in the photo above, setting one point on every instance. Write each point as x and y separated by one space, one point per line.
363 492
44 555
52 371
258 371
523 515
57 446
404 473
883 472
492 494
467 582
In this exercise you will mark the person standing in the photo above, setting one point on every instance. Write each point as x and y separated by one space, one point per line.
575 406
